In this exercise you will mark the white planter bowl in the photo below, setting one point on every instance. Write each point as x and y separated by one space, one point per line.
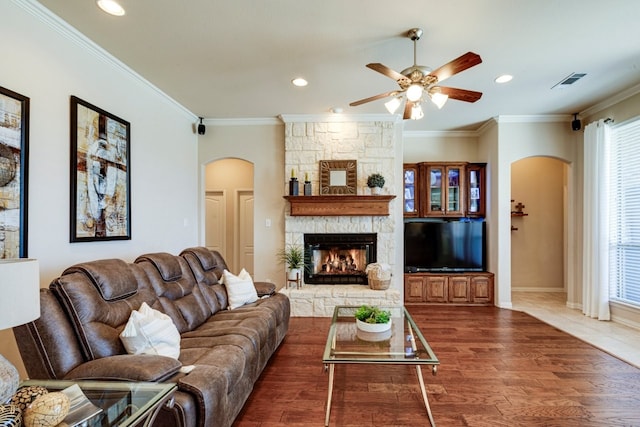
373 327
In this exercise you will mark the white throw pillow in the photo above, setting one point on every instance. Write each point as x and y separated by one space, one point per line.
240 289
149 331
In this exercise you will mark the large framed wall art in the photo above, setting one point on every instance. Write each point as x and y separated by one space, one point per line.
100 174
14 173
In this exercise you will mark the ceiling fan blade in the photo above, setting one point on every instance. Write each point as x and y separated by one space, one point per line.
460 94
407 110
459 64
383 69
373 98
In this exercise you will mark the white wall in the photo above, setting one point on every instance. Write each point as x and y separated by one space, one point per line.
48 62
263 145
517 139
436 147
537 246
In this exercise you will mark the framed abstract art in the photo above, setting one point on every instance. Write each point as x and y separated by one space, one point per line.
100 174
14 173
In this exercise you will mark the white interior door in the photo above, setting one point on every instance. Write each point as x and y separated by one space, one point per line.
216 220
244 230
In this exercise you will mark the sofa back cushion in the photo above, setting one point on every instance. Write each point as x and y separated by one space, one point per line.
48 345
176 289
207 267
99 297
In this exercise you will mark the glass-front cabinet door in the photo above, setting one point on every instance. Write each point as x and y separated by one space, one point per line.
453 189
445 190
411 206
476 190
435 193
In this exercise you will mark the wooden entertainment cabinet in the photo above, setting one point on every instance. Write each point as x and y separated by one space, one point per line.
446 190
468 288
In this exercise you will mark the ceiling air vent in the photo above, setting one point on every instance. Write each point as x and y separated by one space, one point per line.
569 80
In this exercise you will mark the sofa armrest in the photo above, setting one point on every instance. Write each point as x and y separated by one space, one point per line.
132 367
264 288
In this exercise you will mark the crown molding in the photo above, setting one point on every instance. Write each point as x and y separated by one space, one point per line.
440 134
338 118
54 22
634 90
256 121
538 118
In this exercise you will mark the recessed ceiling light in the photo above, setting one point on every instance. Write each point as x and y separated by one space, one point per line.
504 78
337 110
111 7
299 81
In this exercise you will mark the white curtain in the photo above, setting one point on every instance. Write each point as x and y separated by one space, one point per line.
595 258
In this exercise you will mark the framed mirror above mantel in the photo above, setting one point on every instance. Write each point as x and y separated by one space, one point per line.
340 205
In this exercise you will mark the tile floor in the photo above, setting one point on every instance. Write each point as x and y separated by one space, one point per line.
550 307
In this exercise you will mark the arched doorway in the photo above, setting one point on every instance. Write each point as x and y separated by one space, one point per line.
539 226
229 204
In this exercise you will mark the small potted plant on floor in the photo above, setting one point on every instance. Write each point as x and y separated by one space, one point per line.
293 257
375 182
372 319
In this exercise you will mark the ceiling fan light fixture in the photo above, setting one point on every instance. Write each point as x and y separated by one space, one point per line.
439 99
414 92
392 106
111 7
416 111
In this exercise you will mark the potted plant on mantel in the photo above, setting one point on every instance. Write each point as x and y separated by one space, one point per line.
372 319
375 182
293 257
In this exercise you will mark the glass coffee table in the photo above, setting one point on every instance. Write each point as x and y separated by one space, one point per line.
403 344
112 403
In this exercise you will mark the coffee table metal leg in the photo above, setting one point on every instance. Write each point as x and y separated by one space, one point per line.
330 394
424 396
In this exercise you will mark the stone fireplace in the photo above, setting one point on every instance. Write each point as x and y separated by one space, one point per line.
373 144
338 258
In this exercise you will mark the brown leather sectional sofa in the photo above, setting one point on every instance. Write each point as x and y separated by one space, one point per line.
84 310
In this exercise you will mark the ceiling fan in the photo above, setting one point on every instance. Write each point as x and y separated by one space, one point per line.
418 80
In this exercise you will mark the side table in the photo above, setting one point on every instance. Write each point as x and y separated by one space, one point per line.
123 403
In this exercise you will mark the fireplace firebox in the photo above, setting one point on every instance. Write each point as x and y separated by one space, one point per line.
337 259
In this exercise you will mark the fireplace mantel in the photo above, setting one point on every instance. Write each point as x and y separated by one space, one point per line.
340 205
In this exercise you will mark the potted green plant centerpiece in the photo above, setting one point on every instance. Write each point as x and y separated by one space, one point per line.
375 182
372 319
293 257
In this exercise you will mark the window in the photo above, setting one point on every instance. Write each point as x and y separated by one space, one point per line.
624 212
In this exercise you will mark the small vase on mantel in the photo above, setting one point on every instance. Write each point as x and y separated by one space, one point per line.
375 191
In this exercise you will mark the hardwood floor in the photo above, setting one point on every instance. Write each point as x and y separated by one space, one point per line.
498 368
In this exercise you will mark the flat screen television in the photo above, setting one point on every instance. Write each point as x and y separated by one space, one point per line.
444 246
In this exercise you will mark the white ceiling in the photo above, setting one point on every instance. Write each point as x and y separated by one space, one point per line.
236 58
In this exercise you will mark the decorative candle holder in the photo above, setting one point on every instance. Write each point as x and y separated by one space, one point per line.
293 186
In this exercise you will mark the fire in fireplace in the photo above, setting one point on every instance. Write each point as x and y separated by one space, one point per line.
338 258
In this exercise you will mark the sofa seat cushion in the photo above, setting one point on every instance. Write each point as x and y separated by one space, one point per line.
255 327
279 305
